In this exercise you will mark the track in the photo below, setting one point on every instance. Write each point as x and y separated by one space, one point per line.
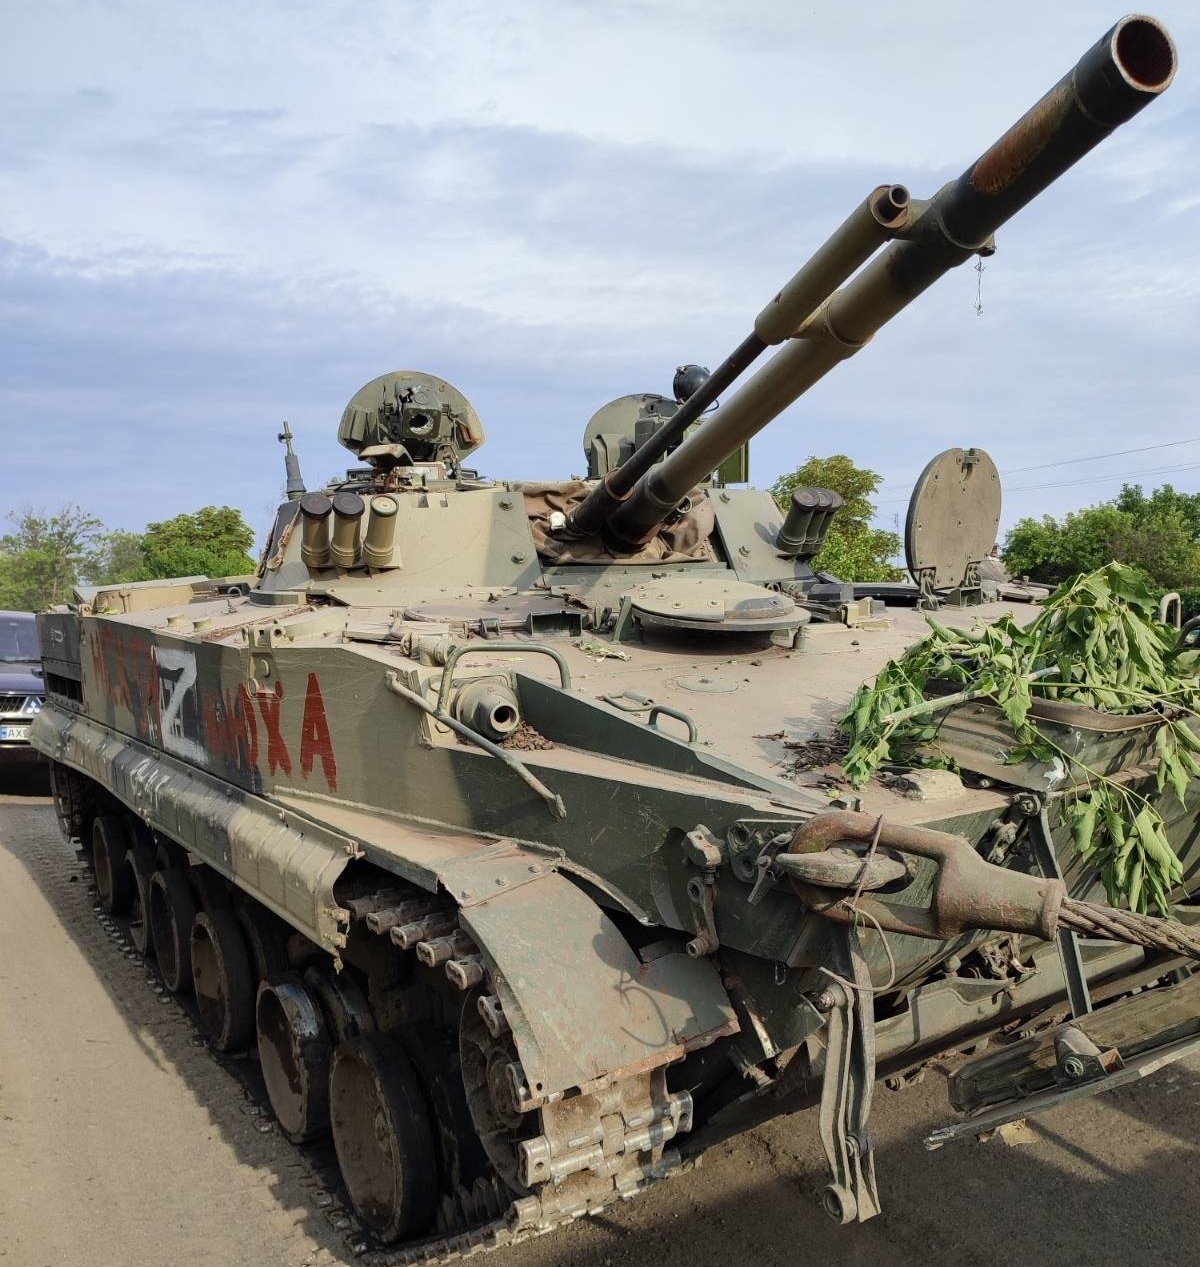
124 1142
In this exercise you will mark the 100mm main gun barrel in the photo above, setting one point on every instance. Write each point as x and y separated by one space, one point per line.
1124 71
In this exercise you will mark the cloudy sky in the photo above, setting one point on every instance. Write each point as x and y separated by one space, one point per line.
216 216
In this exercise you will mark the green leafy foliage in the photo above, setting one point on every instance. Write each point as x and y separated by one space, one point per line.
1189 600
1163 504
1097 642
215 541
1158 534
44 556
119 556
853 550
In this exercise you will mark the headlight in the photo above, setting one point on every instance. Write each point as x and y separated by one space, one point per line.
32 706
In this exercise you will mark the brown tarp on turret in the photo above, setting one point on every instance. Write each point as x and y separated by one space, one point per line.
686 541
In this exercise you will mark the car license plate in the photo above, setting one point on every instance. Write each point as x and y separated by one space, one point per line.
14 732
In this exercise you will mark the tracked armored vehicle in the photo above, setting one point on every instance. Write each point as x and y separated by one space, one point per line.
469 810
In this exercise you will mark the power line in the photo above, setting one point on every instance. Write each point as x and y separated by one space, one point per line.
1096 479
1124 476
1095 457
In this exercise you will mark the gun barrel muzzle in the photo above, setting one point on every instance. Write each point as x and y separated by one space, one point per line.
1122 73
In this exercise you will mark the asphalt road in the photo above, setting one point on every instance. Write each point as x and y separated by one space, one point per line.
123 1144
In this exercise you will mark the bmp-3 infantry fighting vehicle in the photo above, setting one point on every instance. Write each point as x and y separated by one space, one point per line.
468 810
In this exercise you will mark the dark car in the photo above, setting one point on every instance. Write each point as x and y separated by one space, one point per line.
1189 636
21 686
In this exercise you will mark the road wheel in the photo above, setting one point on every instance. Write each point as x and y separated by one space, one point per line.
223 980
172 912
266 938
344 1004
169 856
70 802
294 1051
210 889
114 880
383 1138
141 867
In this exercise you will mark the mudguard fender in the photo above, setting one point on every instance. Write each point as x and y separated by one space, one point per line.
584 1008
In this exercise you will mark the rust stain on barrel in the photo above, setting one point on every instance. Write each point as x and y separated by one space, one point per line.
1022 143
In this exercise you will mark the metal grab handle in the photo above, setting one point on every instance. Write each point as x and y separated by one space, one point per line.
1170 610
633 702
665 710
530 648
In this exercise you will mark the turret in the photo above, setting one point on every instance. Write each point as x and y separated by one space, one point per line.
822 321
407 418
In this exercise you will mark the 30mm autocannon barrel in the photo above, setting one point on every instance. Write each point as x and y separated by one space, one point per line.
1124 71
878 217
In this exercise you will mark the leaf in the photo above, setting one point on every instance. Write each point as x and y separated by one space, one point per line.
1158 895
1188 761
1178 778
940 631
1083 824
1162 745
1114 826
1143 650
1152 834
1133 886
1016 705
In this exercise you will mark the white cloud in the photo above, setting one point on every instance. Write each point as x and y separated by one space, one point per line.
560 201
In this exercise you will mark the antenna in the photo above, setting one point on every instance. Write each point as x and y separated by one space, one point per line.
291 464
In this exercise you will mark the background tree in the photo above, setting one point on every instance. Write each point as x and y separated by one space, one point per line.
853 550
45 556
1163 504
215 541
118 556
1159 535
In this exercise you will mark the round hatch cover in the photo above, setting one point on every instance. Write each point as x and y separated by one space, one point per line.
512 612
707 683
715 603
953 516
